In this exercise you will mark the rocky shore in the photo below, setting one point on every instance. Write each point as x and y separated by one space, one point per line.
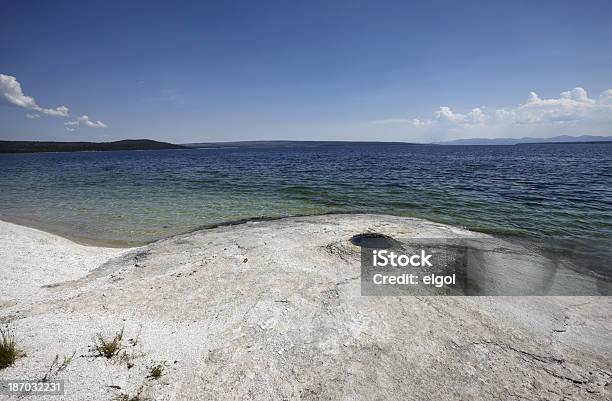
272 310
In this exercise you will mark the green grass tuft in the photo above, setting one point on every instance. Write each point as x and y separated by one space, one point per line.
8 348
157 371
136 397
108 348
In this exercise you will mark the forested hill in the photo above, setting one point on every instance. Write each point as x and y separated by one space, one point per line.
128 144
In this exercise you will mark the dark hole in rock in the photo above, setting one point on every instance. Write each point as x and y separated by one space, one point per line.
373 241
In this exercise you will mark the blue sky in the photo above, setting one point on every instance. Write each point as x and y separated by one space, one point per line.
311 70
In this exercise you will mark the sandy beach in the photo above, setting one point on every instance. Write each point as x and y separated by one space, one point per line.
272 310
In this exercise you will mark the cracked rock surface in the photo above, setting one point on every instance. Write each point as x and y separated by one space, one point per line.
273 310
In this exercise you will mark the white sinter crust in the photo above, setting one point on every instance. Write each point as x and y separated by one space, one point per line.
272 310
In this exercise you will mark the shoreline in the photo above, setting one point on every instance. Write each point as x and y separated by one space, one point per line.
93 242
114 243
84 241
521 240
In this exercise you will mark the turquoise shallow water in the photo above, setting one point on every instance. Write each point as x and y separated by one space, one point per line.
135 197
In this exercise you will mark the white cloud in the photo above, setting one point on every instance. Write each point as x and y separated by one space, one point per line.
61 111
83 120
392 121
573 112
91 124
445 114
606 97
11 92
574 105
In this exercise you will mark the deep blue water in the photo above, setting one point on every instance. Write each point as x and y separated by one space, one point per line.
545 190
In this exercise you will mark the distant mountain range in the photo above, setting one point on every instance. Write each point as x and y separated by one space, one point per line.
282 144
128 144
147 144
472 141
515 141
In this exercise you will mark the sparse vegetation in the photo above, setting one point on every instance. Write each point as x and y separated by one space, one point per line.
8 348
130 354
57 367
134 341
108 348
156 371
127 357
136 397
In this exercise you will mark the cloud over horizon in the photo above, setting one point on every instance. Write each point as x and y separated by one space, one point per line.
12 93
573 109
83 120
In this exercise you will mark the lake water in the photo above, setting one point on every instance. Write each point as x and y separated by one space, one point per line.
135 197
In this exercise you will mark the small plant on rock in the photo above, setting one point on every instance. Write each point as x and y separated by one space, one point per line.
56 367
156 371
8 348
108 348
136 397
